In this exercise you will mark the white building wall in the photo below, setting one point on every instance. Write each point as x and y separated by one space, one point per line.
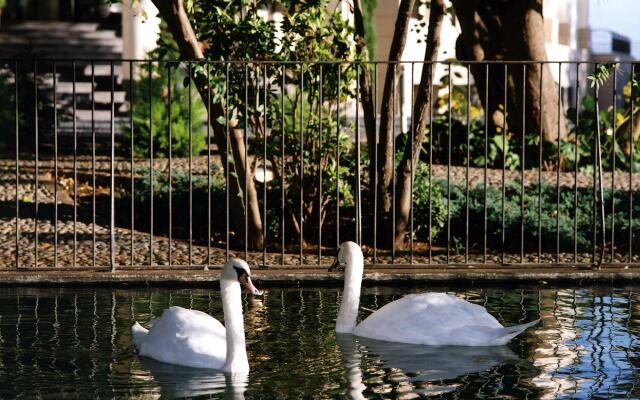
140 30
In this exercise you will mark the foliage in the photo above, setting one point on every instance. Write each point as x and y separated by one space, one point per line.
459 106
425 204
26 107
156 108
180 202
369 7
577 148
571 208
614 137
7 116
292 115
601 74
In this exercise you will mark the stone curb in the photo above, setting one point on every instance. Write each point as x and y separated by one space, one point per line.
319 277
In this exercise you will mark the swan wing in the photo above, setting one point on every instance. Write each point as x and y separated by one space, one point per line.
434 319
186 337
139 334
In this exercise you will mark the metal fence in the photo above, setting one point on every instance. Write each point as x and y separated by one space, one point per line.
123 163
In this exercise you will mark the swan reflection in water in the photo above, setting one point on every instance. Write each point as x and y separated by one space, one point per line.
179 382
419 363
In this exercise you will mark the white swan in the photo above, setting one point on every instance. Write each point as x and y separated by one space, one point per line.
435 319
195 339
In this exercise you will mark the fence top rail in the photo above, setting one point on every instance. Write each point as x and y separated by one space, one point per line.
298 62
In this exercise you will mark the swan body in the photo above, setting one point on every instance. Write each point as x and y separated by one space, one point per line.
183 337
193 338
436 319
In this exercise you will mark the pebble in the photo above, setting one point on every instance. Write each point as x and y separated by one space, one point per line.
82 253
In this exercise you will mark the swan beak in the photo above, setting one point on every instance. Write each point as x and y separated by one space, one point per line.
246 282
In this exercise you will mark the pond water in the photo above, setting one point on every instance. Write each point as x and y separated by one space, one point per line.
77 343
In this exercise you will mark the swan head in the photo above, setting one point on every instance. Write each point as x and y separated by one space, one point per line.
238 270
348 254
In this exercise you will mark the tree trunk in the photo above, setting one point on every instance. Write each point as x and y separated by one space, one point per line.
470 46
385 145
173 13
407 166
366 97
524 40
513 31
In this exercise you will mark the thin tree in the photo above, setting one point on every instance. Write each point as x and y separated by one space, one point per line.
385 145
174 14
406 168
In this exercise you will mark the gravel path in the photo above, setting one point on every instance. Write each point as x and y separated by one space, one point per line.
122 167
65 254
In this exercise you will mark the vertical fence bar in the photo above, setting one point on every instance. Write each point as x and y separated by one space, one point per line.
112 202
75 168
170 154
430 222
282 155
411 138
131 161
449 168
227 155
301 161
523 144
613 164
358 189
486 157
375 166
17 127
504 165
540 168
55 166
93 163
393 166
246 162
37 171
321 106
595 171
208 66
575 172
264 172
190 72
600 187
338 157
468 161
559 166
633 77
150 168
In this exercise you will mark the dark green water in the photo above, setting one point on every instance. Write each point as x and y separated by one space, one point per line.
76 343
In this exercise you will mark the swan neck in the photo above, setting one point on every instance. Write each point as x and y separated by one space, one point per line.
348 313
236 360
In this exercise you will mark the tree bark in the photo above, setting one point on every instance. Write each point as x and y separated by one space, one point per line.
524 40
514 31
174 14
422 106
366 97
470 46
385 145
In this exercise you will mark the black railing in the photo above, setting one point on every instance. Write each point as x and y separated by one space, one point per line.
471 164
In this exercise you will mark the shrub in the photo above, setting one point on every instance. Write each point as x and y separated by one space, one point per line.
157 105
421 204
545 197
